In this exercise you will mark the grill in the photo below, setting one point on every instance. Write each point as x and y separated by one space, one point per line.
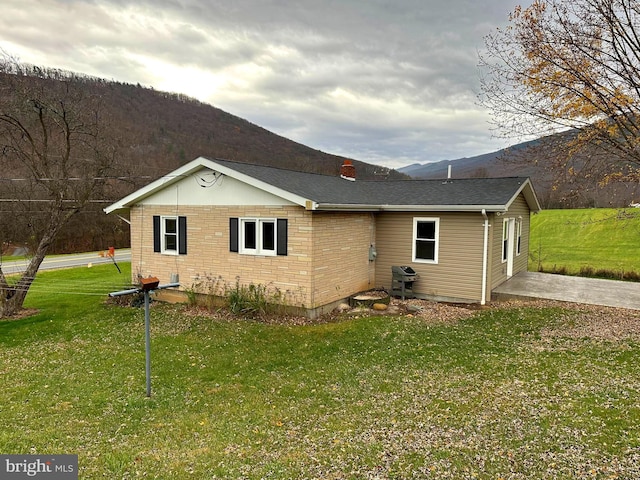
402 278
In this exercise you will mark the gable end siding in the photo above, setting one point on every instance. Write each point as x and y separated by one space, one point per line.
518 208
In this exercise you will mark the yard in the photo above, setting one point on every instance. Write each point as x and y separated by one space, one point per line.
594 239
513 392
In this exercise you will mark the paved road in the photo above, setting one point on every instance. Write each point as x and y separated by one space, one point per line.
66 261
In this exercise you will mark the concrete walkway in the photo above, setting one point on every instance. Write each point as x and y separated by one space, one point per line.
611 293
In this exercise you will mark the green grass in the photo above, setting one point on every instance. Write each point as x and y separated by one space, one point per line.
490 397
603 239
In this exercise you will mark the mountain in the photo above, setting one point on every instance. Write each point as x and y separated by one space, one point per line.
559 181
156 132
491 164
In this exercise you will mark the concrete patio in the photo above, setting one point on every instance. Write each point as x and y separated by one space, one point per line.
531 285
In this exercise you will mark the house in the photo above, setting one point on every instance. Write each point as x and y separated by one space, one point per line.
321 238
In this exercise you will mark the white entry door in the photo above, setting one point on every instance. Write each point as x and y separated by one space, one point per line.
508 244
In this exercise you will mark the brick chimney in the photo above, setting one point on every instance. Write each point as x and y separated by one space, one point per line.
348 171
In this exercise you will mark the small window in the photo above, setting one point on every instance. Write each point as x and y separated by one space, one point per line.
170 235
505 239
518 236
425 239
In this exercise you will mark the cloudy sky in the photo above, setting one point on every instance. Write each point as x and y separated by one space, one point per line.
391 82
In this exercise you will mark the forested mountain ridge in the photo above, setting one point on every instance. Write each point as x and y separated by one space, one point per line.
164 130
153 133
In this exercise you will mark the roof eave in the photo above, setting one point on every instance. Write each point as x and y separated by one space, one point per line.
409 208
249 180
155 186
192 167
529 195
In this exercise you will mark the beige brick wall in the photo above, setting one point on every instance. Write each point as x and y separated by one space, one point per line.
208 254
328 252
341 264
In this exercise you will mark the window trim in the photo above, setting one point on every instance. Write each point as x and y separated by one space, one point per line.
518 236
506 241
259 240
163 235
160 232
436 240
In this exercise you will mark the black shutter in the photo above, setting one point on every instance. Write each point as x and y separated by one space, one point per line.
156 233
182 235
233 234
281 246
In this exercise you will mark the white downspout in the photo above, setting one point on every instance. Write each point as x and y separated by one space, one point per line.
485 252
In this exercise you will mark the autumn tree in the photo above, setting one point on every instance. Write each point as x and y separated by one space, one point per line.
56 153
570 66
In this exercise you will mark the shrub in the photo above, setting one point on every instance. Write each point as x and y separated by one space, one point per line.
213 292
247 299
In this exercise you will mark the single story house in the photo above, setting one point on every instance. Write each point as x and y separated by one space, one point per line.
320 239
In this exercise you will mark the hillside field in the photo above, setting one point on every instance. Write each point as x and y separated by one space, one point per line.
599 238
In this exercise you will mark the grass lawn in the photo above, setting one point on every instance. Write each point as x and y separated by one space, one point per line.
514 393
601 238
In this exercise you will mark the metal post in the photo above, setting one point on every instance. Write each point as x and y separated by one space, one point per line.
147 340
146 289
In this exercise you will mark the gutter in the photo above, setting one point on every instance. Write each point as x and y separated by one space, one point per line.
405 208
485 253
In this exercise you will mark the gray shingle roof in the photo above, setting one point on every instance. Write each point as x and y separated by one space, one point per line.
333 190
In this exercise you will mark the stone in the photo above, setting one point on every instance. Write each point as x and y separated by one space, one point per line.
343 307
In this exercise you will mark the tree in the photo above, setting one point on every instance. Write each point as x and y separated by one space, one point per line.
572 66
54 141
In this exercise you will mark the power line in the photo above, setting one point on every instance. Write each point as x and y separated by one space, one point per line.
19 200
7 179
14 200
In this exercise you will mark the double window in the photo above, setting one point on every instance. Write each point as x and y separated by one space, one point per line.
258 236
426 232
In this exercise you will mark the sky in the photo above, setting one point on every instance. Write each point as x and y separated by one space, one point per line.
389 82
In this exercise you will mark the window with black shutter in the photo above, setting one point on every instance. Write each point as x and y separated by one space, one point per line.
170 234
258 236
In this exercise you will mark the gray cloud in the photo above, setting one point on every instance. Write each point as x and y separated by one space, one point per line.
386 82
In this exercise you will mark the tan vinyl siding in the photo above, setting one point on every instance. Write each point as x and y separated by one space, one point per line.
518 208
458 274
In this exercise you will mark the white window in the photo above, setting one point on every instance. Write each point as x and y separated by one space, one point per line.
258 236
169 235
518 236
505 239
426 239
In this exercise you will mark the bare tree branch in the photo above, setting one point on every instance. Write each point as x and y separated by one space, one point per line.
55 134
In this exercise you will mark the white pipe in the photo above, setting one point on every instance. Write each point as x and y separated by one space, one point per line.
449 172
485 252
